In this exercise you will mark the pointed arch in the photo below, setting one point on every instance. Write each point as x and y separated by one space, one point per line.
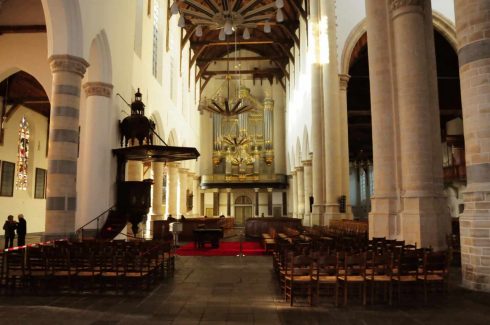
100 59
64 27
306 144
298 157
173 140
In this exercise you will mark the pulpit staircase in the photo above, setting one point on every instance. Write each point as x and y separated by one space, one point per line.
105 226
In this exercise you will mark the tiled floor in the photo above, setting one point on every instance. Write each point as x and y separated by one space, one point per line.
232 290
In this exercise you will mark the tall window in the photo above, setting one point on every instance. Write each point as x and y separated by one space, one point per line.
362 184
156 18
23 155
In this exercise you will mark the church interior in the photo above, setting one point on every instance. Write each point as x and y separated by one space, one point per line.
245 161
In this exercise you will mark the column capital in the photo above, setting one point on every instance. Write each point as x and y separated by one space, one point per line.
270 189
100 89
293 173
173 165
299 169
398 4
306 163
196 177
183 170
68 63
344 81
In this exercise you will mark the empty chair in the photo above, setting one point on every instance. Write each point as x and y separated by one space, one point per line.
298 278
354 273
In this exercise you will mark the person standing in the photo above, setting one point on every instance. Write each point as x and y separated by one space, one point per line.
9 226
21 230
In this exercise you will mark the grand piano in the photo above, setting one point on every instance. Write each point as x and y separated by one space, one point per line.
203 236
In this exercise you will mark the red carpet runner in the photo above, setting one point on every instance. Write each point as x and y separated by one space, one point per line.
225 249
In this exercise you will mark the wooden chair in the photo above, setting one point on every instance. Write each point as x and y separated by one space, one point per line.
15 273
325 275
379 273
299 278
38 273
435 272
405 272
354 272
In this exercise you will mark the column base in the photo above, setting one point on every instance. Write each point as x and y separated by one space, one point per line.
318 215
332 213
60 223
422 221
383 218
307 220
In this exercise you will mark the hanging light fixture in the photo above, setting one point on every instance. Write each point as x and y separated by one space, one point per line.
279 3
246 34
181 22
174 9
199 31
279 15
222 35
267 27
228 27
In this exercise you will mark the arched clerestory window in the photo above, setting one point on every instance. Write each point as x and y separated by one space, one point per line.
22 154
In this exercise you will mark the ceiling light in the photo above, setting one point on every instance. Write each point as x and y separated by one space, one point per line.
174 9
228 27
279 3
222 35
279 16
246 33
267 27
199 31
181 22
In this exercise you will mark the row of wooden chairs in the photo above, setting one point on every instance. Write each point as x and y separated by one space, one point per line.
86 267
316 273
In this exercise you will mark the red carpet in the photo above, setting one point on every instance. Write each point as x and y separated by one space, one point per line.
225 249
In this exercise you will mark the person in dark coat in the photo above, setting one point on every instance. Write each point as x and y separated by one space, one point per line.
9 226
21 230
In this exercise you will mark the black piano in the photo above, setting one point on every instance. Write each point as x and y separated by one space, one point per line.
203 236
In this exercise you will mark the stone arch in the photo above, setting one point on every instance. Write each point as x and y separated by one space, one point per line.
293 160
155 117
64 27
172 138
306 144
350 43
100 60
298 157
442 24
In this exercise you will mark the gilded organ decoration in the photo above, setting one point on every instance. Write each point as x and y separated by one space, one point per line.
242 144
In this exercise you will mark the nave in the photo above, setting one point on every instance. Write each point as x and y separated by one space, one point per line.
234 290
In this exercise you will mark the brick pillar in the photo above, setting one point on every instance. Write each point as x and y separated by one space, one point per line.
384 203
61 193
308 191
172 187
294 185
472 25
344 144
317 118
422 215
182 191
95 159
300 184
157 200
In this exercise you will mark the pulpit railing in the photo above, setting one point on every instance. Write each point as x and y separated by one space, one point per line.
92 228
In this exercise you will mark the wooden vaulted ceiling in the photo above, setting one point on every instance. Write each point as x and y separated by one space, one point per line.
274 46
22 89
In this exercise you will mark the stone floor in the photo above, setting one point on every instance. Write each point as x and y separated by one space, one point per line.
233 290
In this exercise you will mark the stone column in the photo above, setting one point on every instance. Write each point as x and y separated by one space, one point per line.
157 200
196 195
269 202
172 188
289 197
294 185
94 196
182 191
344 144
317 117
384 202
421 210
257 206
228 202
300 184
332 151
472 25
61 192
308 190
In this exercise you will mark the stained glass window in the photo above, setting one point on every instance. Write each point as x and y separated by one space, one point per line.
23 155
